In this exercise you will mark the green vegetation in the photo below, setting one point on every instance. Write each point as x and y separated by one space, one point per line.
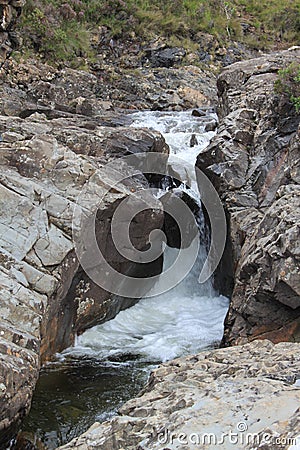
54 30
60 30
288 83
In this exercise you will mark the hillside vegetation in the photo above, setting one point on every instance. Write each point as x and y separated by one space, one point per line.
59 30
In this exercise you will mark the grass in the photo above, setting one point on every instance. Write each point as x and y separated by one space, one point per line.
60 30
288 84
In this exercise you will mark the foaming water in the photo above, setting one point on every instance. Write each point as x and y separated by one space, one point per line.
187 318
179 129
158 330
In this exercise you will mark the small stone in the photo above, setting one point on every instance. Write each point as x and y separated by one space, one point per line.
198 113
211 126
193 141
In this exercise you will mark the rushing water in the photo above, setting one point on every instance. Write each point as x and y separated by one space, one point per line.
181 321
110 362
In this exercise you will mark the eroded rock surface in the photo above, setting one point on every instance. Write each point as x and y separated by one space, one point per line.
254 163
231 393
30 87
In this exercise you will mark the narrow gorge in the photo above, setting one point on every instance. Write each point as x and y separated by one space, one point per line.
201 365
183 320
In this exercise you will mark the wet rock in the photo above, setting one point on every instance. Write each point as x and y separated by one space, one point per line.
198 113
253 162
211 126
180 236
27 441
193 140
244 390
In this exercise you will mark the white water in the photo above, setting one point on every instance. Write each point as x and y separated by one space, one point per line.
177 129
187 318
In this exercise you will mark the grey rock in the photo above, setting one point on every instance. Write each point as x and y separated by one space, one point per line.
9 13
240 391
198 113
253 162
28 89
164 56
193 140
211 126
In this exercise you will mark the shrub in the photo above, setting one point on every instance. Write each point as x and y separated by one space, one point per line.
54 29
288 83
272 22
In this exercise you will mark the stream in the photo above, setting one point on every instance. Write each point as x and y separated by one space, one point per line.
111 362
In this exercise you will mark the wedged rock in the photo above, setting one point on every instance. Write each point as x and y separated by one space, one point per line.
253 161
45 298
179 236
163 56
225 398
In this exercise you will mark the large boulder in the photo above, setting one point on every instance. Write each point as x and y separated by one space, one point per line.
163 56
45 296
239 397
253 162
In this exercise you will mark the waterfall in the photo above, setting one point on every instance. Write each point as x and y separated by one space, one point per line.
187 318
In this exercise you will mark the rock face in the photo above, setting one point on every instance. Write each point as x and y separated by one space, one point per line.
253 162
10 10
45 299
227 398
40 87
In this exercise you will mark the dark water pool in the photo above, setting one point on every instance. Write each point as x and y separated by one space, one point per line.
72 395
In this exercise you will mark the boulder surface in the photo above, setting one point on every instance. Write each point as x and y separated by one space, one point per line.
239 397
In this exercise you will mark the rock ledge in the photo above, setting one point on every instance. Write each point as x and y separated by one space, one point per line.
244 390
